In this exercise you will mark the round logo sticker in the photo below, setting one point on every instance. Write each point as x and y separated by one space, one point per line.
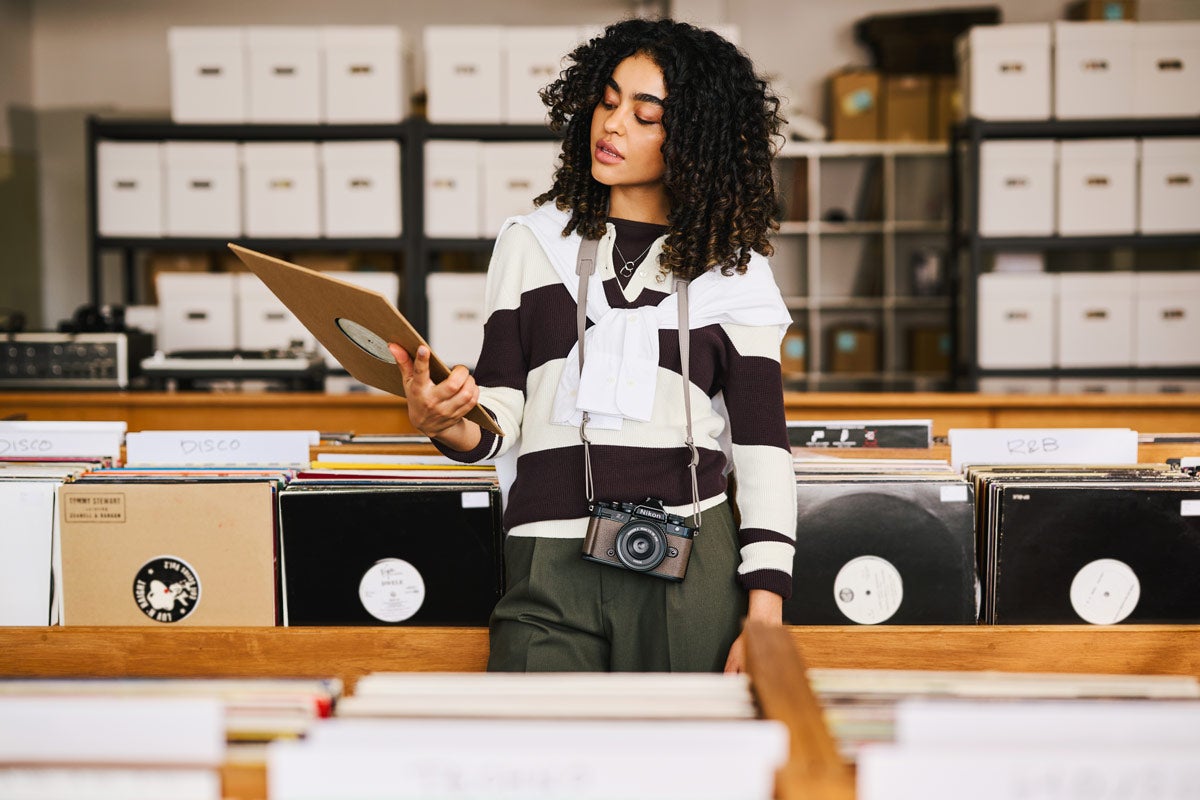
166 589
392 590
868 590
1105 591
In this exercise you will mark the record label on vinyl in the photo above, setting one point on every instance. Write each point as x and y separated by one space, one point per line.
868 590
166 589
1105 591
392 590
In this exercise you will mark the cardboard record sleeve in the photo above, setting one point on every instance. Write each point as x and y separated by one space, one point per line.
354 324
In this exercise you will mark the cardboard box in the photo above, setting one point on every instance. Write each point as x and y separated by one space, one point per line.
366 72
1004 71
208 74
854 106
1168 319
907 108
464 73
203 189
1169 185
1166 69
168 553
1096 319
283 65
1016 188
360 188
947 104
457 312
197 312
929 349
532 59
1093 70
281 183
1016 321
513 174
1097 187
453 190
1103 10
158 263
853 349
129 187
793 352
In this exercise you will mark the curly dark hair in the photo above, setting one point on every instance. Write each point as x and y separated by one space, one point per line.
720 119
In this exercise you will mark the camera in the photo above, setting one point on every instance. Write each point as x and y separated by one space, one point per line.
641 537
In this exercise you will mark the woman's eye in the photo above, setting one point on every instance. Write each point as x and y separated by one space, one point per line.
646 121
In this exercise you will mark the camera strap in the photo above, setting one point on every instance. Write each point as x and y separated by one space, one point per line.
585 266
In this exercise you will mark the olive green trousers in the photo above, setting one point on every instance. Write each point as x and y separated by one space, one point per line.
563 614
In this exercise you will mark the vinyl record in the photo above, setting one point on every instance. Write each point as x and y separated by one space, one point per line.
390 555
1102 554
883 552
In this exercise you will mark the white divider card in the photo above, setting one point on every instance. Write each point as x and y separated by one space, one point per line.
219 448
1034 723
52 439
1042 446
110 784
1061 772
112 730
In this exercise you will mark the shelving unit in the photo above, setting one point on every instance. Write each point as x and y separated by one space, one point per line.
970 250
417 251
856 215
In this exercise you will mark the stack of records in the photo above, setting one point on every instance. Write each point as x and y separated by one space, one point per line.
882 541
537 737
170 545
861 704
385 540
1100 545
29 498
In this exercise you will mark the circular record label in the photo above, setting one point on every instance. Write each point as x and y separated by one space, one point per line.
367 339
868 590
392 590
166 589
1105 591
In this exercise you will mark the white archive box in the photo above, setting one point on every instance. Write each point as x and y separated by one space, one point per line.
1166 69
281 189
1016 326
284 69
204 189
208 74
1097 187
197 311
263 322
464 73
1016 188
513 174
533 58
1004 71
130 188
385 283
366 73
1094 386
360 188
453 189
1095 319
1168 319
457 309
1170 185
1093 70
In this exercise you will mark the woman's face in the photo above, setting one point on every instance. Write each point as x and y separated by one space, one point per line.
627 130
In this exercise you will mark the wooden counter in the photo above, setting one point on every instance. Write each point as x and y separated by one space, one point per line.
386 414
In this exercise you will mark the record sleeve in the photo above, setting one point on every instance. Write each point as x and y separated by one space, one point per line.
894 551
1096 552
354 324
373 554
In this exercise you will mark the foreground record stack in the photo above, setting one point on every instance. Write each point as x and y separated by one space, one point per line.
537 737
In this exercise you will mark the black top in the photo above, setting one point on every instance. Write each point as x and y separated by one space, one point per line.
631 245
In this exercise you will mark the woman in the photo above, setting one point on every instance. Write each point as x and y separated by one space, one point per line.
666 162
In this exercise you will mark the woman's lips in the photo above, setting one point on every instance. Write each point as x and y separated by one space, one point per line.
607 154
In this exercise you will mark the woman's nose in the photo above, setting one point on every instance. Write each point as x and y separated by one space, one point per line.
614 122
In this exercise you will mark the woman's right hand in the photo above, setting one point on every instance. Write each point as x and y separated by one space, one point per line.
438 410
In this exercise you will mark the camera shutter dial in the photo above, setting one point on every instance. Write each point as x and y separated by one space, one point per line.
641 546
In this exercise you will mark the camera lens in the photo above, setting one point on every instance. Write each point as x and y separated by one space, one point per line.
641 546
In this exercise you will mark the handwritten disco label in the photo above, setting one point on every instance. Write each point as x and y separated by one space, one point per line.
1105 591
392 590
190 447
24 446
166 589
868 590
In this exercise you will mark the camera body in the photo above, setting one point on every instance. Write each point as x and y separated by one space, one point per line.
641 537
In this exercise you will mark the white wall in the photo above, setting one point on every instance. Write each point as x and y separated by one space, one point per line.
91 55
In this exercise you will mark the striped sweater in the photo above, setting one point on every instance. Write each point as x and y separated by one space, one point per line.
737 413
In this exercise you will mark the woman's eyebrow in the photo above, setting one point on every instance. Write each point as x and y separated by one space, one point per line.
641 97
